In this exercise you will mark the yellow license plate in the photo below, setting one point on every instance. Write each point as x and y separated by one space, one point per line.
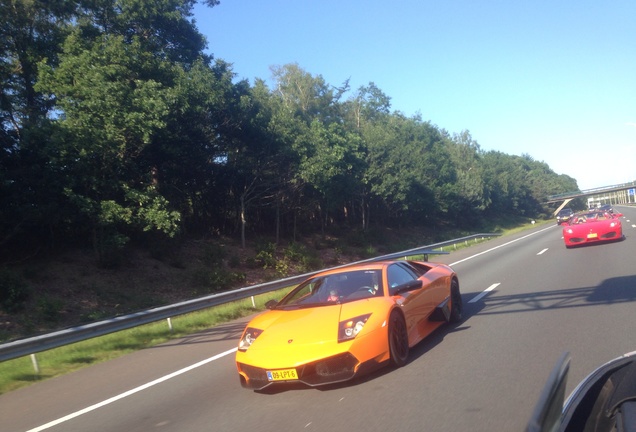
282 375
594 235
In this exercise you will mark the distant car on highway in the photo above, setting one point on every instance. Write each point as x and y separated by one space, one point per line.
592 227
347 321
563 215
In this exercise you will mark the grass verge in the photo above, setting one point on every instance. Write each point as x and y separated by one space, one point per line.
21 372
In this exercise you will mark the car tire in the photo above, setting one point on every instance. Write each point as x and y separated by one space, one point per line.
457 305
398 339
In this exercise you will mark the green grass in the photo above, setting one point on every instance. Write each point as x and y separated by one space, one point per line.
21 372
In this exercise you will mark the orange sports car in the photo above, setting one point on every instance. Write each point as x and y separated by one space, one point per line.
347 321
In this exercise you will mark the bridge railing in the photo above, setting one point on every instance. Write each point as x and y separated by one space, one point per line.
582 193
30 346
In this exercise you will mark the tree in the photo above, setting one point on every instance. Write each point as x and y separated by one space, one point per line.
114 87
302 94
467 199
369 104
30 32
367 113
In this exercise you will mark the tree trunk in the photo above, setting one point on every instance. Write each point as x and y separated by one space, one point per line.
243 222
277 223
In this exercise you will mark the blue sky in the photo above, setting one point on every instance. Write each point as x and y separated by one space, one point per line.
552 79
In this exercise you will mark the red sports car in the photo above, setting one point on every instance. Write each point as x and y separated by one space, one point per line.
591 227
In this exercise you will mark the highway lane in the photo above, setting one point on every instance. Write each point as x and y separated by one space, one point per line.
483 374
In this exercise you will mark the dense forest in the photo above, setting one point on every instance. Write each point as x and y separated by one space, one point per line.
115 126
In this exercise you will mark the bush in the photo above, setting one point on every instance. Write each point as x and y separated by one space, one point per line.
216 279
266 255
50 309
109 245
14 291
234 261
300 254
214 254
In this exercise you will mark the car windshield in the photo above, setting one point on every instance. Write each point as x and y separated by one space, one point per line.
590 217
334 289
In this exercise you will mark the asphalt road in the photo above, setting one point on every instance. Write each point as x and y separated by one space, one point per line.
527 300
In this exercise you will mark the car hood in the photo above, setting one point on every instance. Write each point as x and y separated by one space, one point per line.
293 337
591 225
300 327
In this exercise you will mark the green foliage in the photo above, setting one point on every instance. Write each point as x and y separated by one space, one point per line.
282 268
214 254
215 279
266 254
109 246
304 257
49 309
14 291
115 125
370 252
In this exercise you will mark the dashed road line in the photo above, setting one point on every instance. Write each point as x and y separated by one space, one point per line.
484 292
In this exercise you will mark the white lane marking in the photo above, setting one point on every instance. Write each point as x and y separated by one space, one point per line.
543 251
131 392
484 292
502 245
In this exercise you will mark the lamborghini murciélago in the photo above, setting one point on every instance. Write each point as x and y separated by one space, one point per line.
346 321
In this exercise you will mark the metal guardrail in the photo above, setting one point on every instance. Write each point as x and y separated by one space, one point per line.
23 347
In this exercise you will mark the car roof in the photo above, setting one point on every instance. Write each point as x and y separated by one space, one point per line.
373 265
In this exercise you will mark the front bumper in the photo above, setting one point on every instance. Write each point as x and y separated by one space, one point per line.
341 367
609 236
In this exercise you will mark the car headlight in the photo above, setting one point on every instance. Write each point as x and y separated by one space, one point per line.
613 224
569 231
350 328
249 336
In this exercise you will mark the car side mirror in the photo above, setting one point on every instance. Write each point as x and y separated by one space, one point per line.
271 304
408 286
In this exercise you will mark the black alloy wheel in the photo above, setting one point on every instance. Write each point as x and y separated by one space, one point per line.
457 305
398 339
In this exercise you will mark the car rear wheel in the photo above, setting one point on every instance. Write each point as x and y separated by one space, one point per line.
398 339
457 306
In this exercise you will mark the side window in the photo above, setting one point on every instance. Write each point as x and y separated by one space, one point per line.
397 275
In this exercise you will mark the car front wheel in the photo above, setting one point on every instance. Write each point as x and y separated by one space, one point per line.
398 339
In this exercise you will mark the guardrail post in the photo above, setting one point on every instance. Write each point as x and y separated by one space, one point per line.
170 324
34 360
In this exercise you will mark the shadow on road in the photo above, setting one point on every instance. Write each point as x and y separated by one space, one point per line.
610 291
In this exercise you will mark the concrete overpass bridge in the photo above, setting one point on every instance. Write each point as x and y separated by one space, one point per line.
617 194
